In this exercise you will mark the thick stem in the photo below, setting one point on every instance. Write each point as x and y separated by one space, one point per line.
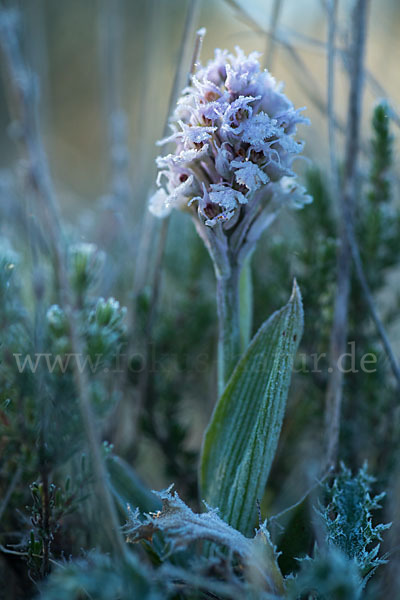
229 345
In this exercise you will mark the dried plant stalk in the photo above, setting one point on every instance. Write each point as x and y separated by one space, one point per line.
346 205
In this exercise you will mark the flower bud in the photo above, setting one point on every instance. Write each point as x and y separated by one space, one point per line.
57 321
85 263
107 312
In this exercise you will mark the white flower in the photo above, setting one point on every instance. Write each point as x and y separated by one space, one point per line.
159 204
294 193
249 174
233 130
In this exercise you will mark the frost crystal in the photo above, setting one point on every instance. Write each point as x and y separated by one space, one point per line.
181 527
349 521
233 131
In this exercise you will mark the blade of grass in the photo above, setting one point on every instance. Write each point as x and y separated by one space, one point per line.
271 47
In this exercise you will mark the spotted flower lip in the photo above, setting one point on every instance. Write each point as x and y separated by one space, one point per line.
234 135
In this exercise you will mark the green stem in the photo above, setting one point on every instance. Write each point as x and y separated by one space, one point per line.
229 343
245 303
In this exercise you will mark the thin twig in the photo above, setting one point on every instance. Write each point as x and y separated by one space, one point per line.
13 483
164 227
370 78
355 252
301 73
346 205
45 518
245 18
332 16
269 55
112 37
196 52
23 101
44 465
148 232
162 239
317 484
339 327
26 554
147 240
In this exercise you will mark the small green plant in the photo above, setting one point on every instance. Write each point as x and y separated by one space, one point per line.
348 519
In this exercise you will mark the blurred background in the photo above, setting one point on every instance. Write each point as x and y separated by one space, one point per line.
66 43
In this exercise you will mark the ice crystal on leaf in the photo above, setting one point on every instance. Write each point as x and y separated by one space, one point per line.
181 527
349 522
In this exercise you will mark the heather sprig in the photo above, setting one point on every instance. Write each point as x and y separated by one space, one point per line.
349 522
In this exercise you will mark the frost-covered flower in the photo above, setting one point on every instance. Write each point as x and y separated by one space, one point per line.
233 131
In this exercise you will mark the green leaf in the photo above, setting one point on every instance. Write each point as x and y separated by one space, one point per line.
127 488
297 538
181 528
240 442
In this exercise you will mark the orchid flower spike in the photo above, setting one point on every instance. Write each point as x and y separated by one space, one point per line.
234 135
